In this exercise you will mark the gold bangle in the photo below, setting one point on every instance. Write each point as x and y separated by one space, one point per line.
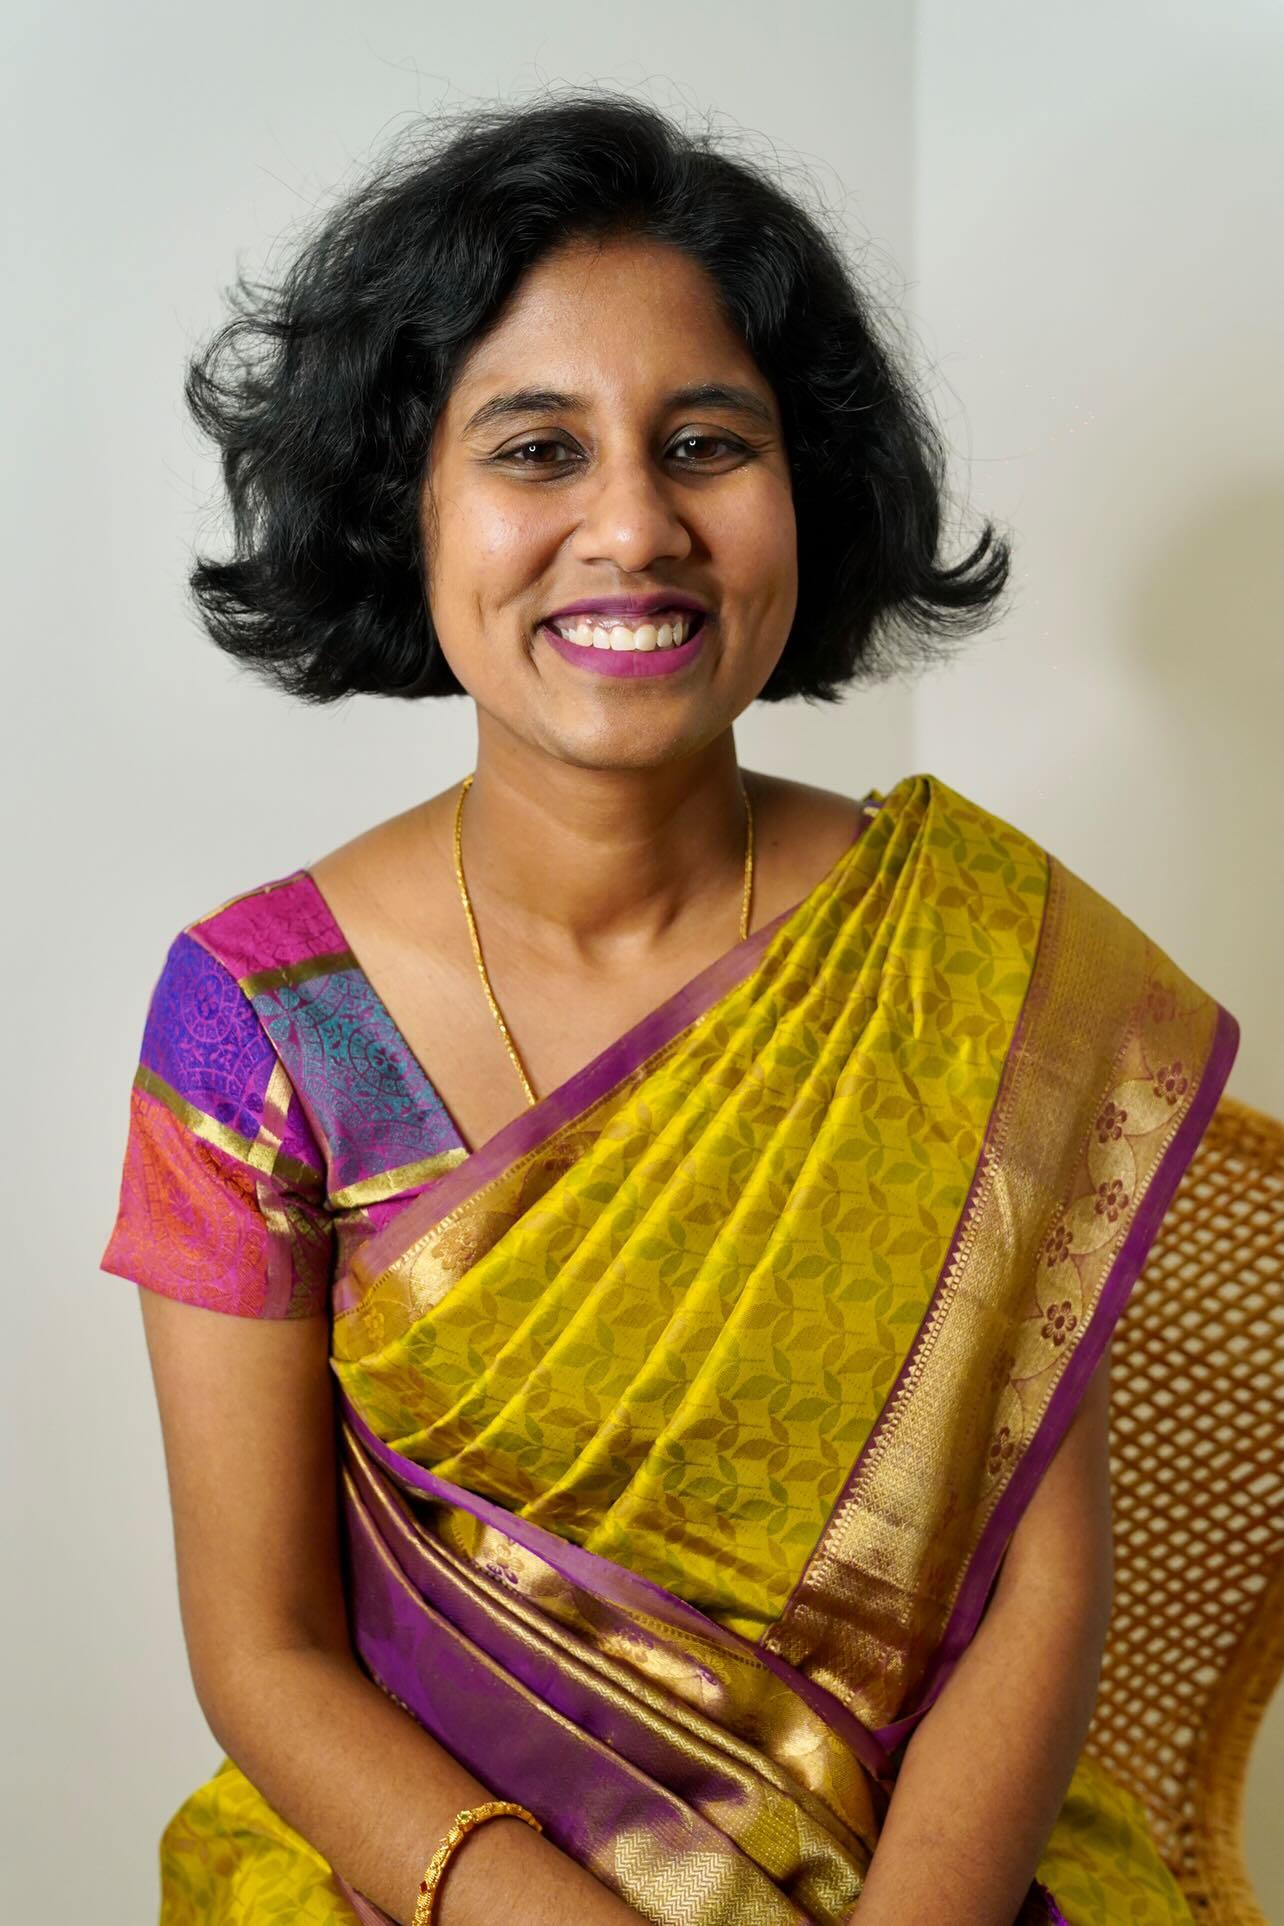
460 1826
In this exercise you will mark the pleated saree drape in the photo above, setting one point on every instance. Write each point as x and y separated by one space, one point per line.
685 1422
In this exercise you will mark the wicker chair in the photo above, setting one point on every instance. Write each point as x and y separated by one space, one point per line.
1196 1644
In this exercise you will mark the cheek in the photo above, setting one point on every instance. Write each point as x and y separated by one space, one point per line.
756 542
488 548
492 540
472 543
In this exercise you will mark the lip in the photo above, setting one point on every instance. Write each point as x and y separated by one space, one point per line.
628 605
628 662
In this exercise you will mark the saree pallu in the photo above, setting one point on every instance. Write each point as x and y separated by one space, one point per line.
684 1424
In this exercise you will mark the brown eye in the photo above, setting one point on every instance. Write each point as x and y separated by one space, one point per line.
717 442
520 453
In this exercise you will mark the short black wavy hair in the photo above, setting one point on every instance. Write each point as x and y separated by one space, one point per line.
322 390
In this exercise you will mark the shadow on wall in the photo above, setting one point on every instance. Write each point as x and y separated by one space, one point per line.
1207 618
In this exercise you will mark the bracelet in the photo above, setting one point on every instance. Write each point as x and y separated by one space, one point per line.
460 1826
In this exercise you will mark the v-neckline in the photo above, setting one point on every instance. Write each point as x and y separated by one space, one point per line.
869 805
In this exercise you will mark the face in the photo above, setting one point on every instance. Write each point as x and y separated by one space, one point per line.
611 441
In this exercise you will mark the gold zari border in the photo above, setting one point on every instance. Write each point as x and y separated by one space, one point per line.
262 1153
1106 1062
784 1792
289 975
391 1183
370 1311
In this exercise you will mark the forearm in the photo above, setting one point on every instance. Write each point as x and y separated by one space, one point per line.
985 1774
362 1782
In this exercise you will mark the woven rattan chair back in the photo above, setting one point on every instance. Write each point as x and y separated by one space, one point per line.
1196 1643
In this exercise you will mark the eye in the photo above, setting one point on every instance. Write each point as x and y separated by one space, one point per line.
520 453
539 452
724 442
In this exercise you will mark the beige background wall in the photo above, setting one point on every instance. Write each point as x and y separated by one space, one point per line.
151 147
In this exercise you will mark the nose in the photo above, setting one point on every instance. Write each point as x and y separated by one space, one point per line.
629 516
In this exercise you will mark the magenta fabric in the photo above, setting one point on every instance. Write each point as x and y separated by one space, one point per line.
519 1719
615 1584
262 1096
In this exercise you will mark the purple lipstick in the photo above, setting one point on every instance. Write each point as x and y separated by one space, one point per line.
633 635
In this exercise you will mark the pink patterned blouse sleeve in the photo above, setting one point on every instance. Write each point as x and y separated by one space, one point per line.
222 1200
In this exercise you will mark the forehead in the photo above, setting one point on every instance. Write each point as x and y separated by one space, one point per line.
608 320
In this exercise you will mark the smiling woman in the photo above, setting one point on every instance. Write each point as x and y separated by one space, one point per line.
630 1246
656 460
325 392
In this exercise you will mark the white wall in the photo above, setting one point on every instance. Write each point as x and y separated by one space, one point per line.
148 148
1101 286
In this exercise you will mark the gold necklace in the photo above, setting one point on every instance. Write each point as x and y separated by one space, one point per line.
466 900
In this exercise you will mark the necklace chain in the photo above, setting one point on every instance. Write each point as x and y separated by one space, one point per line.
504 1031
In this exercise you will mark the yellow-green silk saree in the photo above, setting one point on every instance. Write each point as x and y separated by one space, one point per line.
685 1422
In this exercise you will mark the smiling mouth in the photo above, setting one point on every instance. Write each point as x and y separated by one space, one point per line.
663 629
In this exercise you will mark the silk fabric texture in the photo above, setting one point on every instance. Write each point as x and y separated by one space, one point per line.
683 1424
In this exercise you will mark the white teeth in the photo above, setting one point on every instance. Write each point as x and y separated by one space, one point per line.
592 635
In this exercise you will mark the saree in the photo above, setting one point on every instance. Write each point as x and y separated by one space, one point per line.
683 1424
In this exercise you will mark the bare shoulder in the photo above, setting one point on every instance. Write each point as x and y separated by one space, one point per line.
374 846
800 821
380 855
387 887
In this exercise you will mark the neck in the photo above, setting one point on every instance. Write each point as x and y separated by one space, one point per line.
603 864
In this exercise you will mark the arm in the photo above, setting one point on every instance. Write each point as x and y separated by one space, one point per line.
985 1773
247 1417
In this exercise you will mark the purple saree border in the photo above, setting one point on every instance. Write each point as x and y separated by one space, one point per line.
621 1587
892 1403
542 1747
535 1125
975 1589
1055 1915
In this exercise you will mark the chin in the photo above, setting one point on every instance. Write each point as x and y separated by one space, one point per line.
615 748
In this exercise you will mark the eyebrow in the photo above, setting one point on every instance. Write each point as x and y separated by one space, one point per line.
540 401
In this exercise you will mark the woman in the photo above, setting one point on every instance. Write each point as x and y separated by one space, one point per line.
702 1200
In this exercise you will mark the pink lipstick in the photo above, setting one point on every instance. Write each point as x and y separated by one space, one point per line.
628 662
658 632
